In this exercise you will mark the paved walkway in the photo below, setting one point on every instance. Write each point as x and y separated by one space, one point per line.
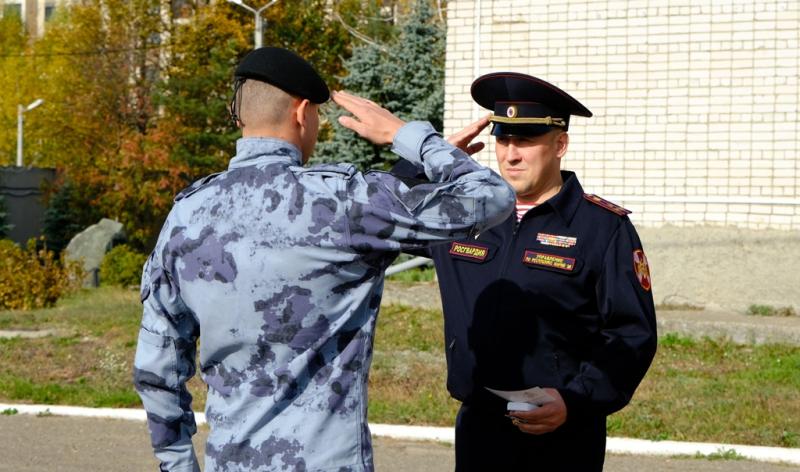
54 443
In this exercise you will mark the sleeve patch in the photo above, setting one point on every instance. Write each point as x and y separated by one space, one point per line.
612 207
642 269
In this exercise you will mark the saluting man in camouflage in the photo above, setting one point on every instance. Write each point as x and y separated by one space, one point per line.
279 268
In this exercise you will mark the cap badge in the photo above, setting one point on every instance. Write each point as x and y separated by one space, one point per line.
511 111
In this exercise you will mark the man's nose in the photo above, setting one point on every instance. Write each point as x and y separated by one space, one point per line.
512 153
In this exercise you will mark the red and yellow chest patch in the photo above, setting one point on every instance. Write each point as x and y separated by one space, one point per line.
548 260
478 253
556 240
642 269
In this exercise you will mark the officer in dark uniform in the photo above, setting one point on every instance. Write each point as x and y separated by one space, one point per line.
558 296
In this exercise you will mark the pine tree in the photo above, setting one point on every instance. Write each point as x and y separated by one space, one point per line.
64 217
5 228
407 78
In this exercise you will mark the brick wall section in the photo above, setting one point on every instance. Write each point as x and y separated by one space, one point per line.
695 102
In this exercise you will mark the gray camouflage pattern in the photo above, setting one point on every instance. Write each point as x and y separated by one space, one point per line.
280 268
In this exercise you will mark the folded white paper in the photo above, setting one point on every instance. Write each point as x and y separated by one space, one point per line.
534 396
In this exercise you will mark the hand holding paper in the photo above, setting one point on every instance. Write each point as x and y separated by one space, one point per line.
533 396
550 414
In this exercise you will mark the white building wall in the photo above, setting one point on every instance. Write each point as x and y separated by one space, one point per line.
695 102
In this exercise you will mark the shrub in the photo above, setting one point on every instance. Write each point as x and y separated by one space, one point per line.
33 277
5 228
122 266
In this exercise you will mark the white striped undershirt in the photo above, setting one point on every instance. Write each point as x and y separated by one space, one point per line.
523 208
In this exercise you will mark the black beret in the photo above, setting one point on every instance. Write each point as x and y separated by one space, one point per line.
285 70
524 105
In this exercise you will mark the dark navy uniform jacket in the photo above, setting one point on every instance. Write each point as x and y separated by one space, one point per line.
561 299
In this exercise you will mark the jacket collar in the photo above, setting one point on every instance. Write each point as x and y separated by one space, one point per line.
252 151
567 200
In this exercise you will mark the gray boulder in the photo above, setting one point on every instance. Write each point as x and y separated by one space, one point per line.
90 245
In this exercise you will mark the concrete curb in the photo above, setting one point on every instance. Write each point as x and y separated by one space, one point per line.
447 435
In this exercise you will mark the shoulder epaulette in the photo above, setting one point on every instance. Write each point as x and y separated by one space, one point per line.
612 207
195 186
347 170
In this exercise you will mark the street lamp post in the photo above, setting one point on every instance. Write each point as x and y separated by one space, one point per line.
21 110
259 21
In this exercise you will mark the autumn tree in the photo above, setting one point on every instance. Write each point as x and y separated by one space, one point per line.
13 84
136 95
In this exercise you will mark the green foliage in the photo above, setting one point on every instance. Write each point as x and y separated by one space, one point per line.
65 216
122 266
9 412
5 227
769 310
33 277
407 78
145 93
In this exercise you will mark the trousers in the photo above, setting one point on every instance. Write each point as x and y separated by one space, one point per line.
486 440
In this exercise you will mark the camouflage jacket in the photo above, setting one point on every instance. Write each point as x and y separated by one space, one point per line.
278 269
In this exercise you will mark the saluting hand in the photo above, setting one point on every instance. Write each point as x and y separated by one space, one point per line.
372 122
544 419
463 139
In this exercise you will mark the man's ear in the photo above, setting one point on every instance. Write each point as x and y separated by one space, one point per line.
301 110
562 143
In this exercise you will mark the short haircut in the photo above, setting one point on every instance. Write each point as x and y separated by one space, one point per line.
263 105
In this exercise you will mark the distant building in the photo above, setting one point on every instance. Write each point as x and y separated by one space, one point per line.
35 13
695 102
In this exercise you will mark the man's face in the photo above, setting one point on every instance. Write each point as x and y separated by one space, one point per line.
531 163
311 131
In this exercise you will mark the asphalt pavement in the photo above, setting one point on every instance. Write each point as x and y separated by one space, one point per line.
55 443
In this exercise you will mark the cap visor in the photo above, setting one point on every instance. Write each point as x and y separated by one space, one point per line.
505 129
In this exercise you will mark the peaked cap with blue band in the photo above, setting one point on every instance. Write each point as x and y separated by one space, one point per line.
285 70
524 105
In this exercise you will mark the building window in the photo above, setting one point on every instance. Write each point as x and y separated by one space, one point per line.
48 12
13 10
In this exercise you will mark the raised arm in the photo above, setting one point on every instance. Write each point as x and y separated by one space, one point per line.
462 197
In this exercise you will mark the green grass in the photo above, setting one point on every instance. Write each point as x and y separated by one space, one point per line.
419 274
697 390
715 390
769 310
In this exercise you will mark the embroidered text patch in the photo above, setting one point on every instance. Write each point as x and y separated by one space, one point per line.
566 264
478 253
